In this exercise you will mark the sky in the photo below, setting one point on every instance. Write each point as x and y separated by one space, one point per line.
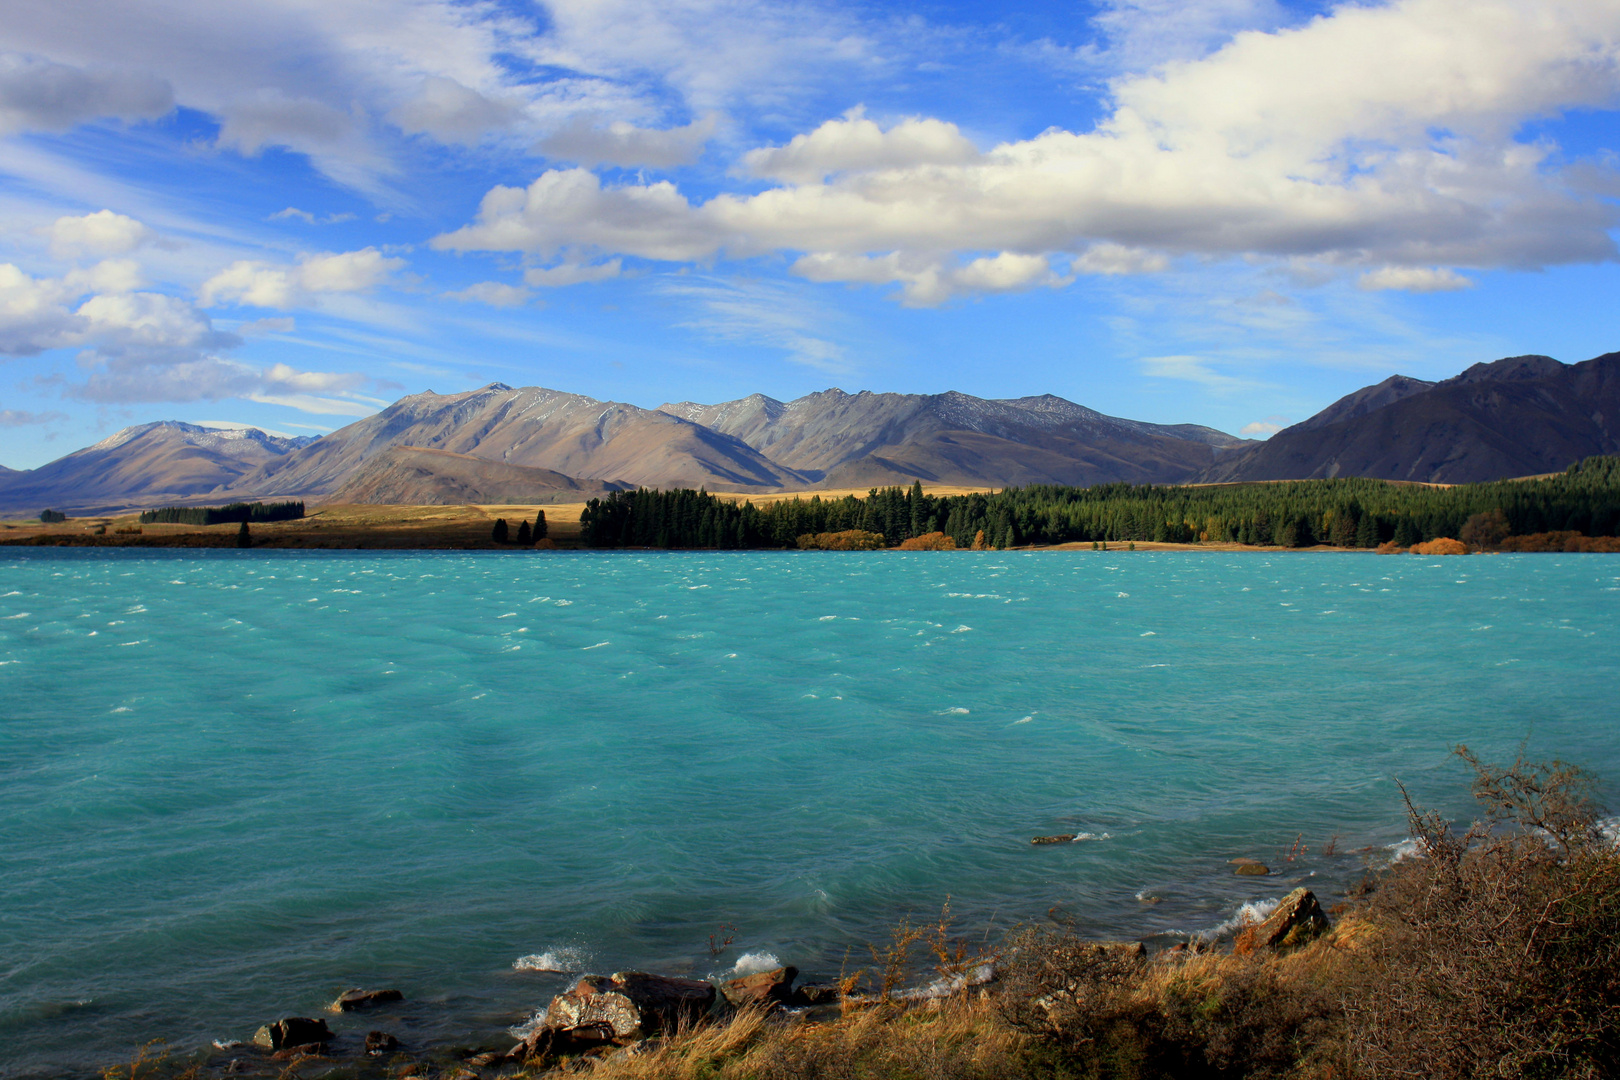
290 213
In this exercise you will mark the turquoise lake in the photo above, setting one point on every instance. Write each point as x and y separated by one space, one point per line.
233 784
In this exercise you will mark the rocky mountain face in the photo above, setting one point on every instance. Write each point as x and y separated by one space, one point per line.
1519 416
420 477
856 440
146 464
534 428
497 444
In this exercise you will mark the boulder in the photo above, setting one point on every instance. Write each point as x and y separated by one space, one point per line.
629 1006
292 1031
1252 869
1298 918
817 994
293 1053
764 988
354 1000
380 1042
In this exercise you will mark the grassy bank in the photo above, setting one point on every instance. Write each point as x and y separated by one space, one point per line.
1494 954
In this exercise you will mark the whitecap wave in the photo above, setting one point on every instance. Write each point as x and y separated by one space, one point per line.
565 959
1609 829
751 963
1255 911
1410 848
949 984
955 710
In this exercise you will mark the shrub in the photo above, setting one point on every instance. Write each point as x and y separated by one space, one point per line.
1443 545
848 540
1486 530
52 517
1498 951
934 541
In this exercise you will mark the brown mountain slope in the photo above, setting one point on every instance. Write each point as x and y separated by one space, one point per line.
866 438
1514 417
532 427
144 465
414 476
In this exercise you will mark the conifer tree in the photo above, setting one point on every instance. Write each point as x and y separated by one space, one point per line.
539 531
523 536
243 538
499 532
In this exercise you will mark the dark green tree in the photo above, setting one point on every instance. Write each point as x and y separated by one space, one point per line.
523 536
539 531
499 532
244 539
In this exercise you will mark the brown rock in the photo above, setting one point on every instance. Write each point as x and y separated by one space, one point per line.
293 1052
292 1031
380 1042
1297 919
1252 869
1064 838
353 1000
631 1005
765 988
817 994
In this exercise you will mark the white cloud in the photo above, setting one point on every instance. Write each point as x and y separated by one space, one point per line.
40 95
100 233
926 282
761 313
147 346
1264 429
264 327
308 218
34 314
1413 279
453 113
1190 369
1116 259
24 418
1283 146
494 293
624 145
258 284
107 276
564 274
855 143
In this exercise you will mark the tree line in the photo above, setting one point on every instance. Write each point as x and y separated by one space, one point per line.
1347 512
215 515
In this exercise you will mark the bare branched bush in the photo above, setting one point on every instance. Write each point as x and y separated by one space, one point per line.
1498 951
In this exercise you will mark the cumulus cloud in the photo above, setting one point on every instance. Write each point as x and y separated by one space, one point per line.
1279 145
100 233
563 274
494 293
147 346
626 146
259 284
856 143
1413 279
40 95
1264 429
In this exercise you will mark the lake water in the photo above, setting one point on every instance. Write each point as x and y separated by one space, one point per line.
233 784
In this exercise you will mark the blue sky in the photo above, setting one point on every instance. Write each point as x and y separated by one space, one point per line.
288 213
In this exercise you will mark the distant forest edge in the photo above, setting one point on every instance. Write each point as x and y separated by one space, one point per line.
219 515
1351 512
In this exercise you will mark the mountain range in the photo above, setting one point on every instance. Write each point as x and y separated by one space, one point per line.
498 444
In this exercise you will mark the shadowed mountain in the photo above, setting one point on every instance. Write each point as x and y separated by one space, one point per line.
166 461
411 475
532 427
857 440
1515 417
